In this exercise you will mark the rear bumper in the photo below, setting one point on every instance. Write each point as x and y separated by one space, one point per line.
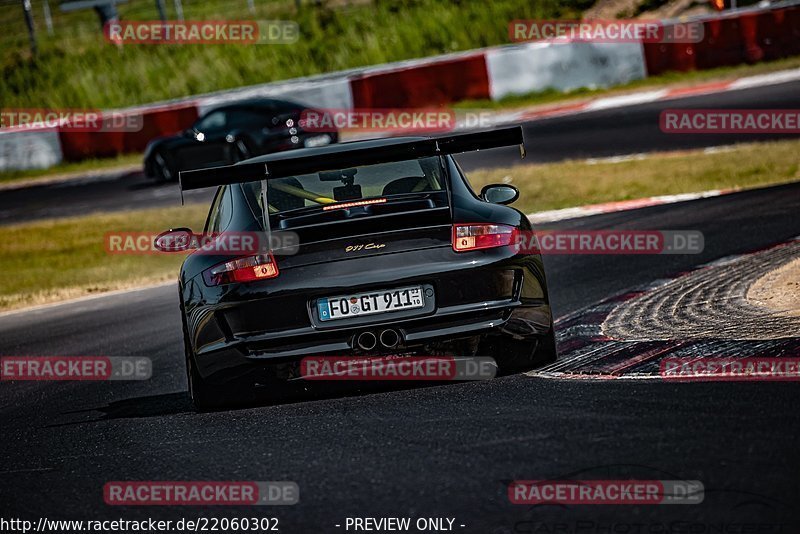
457 331
247 330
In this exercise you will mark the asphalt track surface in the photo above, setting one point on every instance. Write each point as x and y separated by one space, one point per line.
613 132
437 451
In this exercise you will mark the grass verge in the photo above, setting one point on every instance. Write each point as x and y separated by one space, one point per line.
66 258
78 68
73 169
575 183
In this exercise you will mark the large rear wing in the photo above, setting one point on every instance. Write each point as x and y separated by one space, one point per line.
288 165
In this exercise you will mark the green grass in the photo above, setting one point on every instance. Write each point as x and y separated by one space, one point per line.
80 168
575 183
67 258
54 260
77 68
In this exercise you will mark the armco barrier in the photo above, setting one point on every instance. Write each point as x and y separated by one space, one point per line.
788 20
747 37
431 83
162 120
329 92
26 149
563 66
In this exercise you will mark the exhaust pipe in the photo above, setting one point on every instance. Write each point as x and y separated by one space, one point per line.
390 338
366 341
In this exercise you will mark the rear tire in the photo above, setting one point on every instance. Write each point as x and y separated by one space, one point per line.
206 397
241 151
546 350
162 169
515 356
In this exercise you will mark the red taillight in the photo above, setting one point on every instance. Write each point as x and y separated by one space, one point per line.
478 236
248 269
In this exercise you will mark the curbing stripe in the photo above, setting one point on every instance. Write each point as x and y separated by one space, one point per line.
622 205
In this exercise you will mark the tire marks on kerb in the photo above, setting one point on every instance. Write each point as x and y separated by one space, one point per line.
708 303
698 314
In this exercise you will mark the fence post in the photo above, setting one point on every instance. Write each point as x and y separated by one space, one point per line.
26 7
162 11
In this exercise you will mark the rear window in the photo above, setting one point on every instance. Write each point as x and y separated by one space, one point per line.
343 185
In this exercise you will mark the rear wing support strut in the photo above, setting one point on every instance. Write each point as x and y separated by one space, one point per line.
265 208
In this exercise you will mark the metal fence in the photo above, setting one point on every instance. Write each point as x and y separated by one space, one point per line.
42 20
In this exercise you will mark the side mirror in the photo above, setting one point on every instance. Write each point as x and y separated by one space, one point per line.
499 193
175 240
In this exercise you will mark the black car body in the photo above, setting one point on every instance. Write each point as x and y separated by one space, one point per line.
232 133
398 230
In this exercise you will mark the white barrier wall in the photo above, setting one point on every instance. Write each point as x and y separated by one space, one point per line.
23 150
533 67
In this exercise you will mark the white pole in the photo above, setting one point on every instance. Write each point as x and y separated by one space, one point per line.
48 20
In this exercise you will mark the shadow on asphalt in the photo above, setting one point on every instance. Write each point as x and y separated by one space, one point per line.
180 402
135 407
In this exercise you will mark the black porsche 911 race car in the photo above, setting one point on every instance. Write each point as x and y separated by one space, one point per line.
391 225
232 133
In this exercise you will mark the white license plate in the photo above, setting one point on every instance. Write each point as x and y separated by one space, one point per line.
362 304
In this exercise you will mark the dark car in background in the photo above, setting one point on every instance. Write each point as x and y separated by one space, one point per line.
391 224
232 133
